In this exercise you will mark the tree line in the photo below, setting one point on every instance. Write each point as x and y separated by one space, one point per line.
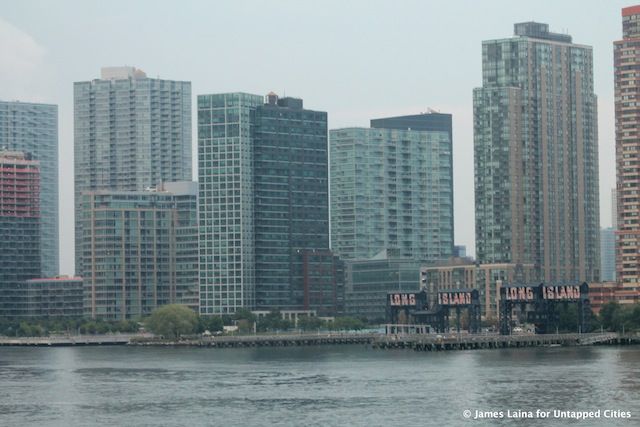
171 321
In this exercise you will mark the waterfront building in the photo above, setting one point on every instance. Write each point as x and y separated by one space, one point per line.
47 297
318 282
605 292
262 173
139 250
607 255
131 132
392 188
19 225
33 128
536 155
367 283
626 54
464 273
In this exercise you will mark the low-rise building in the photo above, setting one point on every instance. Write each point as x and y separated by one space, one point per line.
368 282
53 297
465 273
318 282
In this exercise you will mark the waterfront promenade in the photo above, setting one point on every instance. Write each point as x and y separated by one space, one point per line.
418 342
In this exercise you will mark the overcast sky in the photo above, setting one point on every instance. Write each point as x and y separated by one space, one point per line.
356 60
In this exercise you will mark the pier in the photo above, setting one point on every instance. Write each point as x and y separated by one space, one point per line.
417 342
284 340
476 342
68 340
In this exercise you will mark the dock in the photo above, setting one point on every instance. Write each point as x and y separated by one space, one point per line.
417 342
476 342
68 340
276 340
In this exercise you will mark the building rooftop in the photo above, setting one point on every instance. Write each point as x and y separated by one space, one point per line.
121 73
539 30
631 10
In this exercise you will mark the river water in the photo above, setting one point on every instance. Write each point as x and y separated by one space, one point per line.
323 386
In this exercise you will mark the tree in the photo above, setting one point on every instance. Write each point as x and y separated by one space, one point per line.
607 313
244 314
172 321
311 323
346 323
273 321
209 323
568 318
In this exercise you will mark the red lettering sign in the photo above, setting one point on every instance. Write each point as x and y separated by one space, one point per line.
402 299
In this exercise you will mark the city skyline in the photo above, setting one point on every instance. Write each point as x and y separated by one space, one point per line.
41 68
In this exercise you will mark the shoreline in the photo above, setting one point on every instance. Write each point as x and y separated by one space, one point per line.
432 342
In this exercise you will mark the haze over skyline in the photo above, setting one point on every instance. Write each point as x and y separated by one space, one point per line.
357 61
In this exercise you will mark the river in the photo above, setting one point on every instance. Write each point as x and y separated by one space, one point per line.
308 386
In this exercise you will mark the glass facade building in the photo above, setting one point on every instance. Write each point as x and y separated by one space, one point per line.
536 155
225 179
262 169
392 189
19 226
131 132
368 282
291 197
140 250
33 129
48 297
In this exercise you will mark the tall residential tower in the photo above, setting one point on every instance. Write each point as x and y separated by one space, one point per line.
536 155
19 228
262 172
626 56
131 132
33 129
392 188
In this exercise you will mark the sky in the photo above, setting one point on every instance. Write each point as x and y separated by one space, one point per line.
356 60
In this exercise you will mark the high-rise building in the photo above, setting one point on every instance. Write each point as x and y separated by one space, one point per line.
607 255
392 188
291 200
225 179
626 54
131 132
536 155
140 250
33 129
19 225
262 169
